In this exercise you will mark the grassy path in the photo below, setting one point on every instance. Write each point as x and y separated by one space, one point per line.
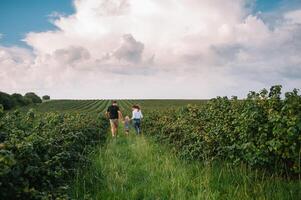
135 167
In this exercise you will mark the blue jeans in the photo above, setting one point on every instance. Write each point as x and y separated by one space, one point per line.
137 125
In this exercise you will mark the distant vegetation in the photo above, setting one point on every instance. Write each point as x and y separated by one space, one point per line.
17 100
46 97
33 97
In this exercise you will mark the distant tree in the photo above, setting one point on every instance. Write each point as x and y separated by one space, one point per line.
46 97
18 99
33 97
6 101
1 114
27 100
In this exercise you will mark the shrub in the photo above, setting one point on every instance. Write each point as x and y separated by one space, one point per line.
18 100
46 97
39 153
262 130
33 97
6 101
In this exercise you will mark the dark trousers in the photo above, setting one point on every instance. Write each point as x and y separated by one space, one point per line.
137 125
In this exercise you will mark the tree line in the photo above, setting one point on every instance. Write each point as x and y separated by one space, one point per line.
17 100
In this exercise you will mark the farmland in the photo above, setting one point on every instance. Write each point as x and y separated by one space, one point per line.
190 149
96 106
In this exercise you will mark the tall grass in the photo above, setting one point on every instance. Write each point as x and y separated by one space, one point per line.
135 167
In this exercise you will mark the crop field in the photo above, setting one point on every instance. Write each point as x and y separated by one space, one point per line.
98 106
190 149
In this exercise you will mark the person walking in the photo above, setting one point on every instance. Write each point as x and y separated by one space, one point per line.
136 117
114 114
126 122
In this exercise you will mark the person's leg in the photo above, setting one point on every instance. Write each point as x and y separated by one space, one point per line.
115 127
134 124
112 127
138 126
126 128
113 131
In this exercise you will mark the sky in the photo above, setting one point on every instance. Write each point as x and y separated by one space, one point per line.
109 49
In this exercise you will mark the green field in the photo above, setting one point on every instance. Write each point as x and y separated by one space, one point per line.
99 105
166 162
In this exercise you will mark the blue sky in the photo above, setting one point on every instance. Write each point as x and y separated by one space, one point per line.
18 17
268 5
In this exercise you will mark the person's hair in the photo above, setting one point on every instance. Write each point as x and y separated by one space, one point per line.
136 106
114 101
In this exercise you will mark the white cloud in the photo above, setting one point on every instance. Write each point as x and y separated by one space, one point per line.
130 50
294 17
154 48
71 55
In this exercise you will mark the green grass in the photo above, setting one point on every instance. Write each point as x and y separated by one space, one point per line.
135 167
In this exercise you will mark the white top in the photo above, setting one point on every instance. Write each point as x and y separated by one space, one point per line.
137 114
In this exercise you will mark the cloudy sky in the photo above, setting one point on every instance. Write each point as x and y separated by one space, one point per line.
149 48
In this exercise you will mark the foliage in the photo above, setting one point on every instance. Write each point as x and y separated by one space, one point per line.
6 100
17 100
263 130
34 98
40 152
46 97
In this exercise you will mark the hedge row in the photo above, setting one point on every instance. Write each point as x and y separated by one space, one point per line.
39 153
263 131
17 100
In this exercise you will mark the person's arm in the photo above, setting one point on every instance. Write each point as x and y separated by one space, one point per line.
133 114
120 115
107 113
141 114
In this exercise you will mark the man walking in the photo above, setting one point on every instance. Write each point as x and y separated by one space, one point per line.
114 113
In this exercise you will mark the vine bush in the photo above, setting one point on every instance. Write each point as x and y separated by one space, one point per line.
39 153
263 130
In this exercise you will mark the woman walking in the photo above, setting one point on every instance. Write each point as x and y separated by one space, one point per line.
136 117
